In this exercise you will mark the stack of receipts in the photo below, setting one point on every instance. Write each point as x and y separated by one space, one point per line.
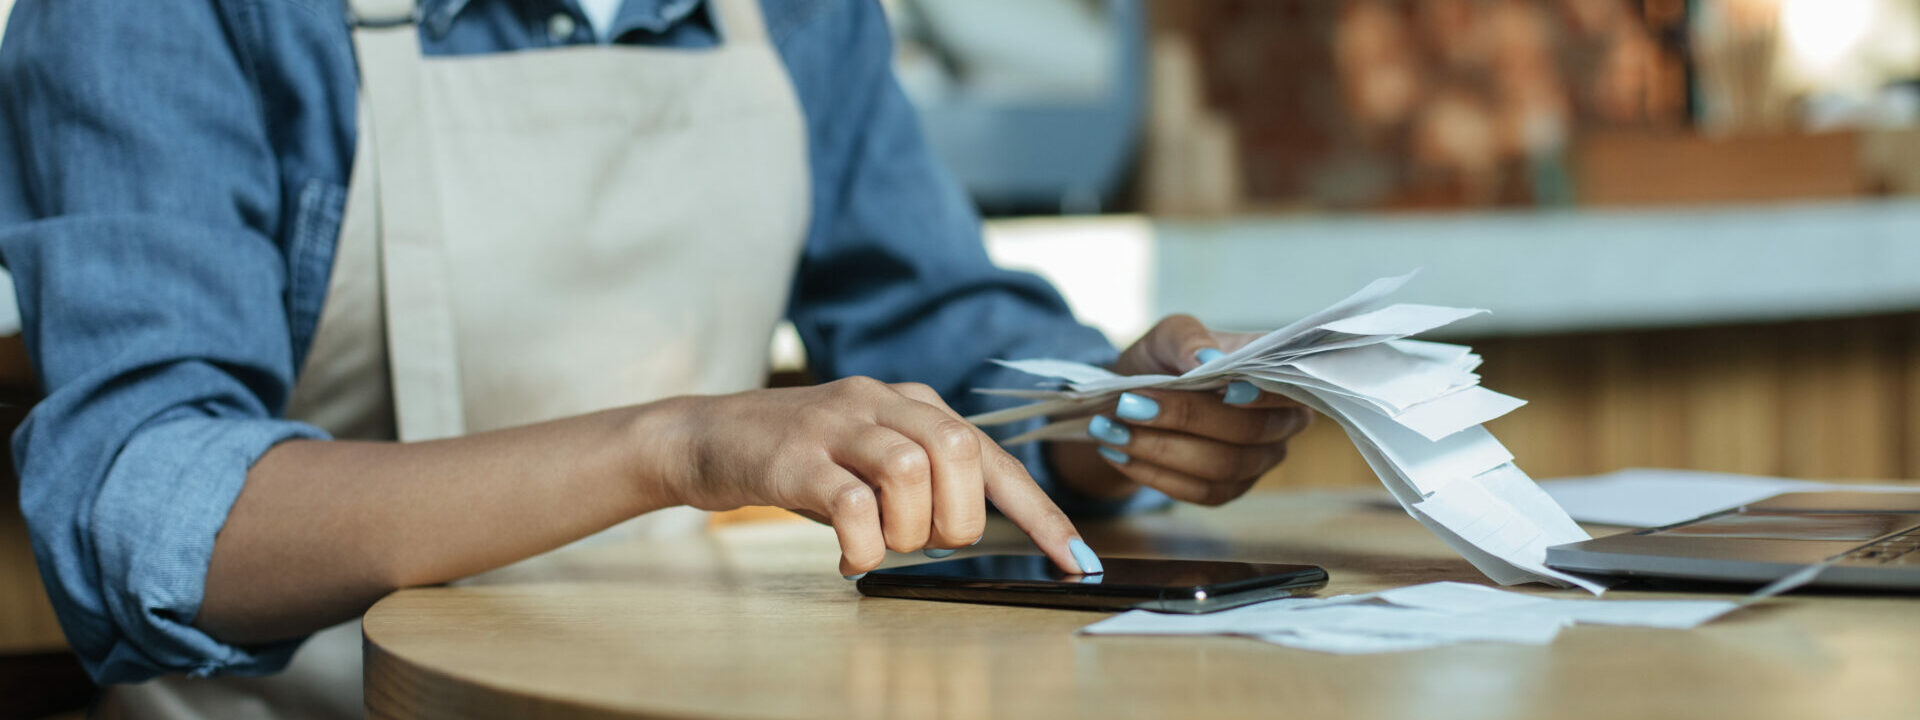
1415 618
1413 408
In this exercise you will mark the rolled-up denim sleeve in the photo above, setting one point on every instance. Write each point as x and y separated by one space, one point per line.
895 282
138 194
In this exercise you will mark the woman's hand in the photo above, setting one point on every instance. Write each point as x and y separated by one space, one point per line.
890 467
1200 447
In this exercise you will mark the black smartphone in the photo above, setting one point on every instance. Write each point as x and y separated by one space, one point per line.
1173 586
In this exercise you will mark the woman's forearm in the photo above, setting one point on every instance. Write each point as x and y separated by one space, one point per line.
323 529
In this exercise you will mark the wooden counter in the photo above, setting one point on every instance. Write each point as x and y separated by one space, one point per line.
753 623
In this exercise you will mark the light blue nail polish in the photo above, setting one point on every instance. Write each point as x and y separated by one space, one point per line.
1137 407
1241 392
937 553
1083 555
1208 355
1108 431
851 578
976 541
1117 457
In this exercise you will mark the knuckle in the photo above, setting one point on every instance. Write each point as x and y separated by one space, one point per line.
851 499
1177 320
903 462
916 390
964 529
953 437
1176 411
1148 444
898 542
859 385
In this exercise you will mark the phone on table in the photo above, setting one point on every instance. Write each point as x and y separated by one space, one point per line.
1173 586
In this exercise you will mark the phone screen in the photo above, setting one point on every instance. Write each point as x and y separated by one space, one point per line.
1154 584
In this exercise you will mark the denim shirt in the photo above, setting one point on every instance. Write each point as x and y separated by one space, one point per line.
172 181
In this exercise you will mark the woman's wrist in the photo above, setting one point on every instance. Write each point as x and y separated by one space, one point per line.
659 454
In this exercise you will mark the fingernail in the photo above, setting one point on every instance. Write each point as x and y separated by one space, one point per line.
1137 407
1083 556
1115 456
1108 431
1241 392
851 578
937 553
976 541
1208 355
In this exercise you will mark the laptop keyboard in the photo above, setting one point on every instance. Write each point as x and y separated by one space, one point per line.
1896 550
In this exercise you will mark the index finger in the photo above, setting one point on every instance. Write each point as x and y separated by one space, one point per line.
1014 492
1019 498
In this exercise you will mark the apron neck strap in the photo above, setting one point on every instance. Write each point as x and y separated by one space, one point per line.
739 20
382 13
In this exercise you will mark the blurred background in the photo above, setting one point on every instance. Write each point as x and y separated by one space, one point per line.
1695 221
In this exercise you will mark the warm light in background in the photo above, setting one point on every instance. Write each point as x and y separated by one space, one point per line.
1821 34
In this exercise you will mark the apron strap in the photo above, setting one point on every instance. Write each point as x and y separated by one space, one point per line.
381 13
740 21
422 354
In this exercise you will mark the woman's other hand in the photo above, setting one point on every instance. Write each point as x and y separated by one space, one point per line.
890 467
1203 447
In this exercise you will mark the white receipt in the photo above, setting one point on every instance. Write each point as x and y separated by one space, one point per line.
1417 618
1413 408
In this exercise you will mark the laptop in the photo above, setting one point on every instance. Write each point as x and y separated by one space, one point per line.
1875 536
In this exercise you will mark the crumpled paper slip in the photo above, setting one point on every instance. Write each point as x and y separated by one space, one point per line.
1416 618
1413 408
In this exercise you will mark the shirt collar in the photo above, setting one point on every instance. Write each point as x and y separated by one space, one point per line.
438 14
653 16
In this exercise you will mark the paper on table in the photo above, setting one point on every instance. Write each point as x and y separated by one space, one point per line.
1667 614
1455 597
1352 644
1645 497
1417 617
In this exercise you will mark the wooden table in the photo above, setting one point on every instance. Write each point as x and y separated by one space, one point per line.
752 622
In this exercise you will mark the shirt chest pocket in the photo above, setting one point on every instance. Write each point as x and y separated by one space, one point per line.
313 235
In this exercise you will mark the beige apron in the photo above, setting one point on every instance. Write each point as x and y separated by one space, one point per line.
529 236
